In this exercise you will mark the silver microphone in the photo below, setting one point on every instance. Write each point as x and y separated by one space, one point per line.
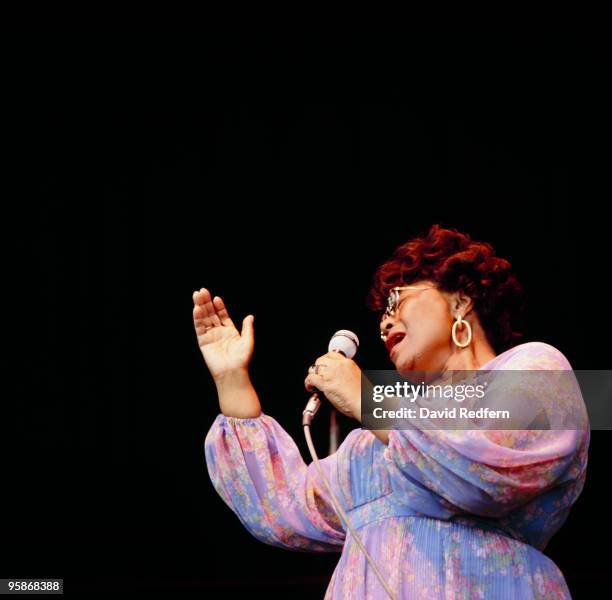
345 342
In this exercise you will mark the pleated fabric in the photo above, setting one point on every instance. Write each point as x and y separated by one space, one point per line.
444 514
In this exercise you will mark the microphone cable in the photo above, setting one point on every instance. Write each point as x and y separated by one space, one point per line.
308 414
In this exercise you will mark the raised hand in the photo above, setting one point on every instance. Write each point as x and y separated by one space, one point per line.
225 349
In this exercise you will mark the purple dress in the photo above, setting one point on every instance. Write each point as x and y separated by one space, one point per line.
444 514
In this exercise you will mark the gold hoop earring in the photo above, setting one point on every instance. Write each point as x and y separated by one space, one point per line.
460 323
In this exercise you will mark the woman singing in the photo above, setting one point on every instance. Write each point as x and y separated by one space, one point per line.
444 513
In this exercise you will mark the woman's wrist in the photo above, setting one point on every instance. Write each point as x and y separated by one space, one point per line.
237 396
235 378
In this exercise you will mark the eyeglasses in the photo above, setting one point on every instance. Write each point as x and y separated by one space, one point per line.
393 303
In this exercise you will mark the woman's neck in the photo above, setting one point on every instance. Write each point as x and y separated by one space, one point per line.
471 358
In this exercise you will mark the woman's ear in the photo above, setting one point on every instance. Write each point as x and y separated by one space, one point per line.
461 303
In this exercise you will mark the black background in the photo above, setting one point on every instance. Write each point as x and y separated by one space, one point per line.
148 167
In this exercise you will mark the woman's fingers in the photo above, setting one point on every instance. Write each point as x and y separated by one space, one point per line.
313 381
199 314
209 312
210 316
222 313
204 316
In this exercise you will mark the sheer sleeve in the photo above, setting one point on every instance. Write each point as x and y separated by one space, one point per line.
487 472
257 469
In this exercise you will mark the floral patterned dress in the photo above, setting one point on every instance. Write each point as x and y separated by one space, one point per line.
444 514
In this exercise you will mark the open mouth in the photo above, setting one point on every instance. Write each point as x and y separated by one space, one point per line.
394 340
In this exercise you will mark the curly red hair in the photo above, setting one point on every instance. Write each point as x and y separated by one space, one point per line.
455 262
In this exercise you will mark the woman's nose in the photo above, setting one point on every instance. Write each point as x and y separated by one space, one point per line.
386 324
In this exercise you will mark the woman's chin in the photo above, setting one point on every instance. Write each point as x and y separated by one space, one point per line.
402 362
